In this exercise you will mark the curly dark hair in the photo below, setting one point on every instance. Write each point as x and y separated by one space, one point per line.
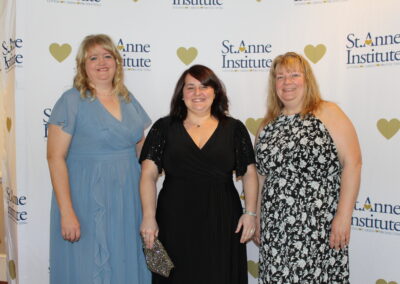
219 107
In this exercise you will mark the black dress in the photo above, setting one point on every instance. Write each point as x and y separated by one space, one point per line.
198 206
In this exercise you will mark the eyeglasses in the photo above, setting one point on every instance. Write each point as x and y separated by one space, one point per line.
290 76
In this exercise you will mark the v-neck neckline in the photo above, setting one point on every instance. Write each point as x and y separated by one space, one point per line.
194 143
109 113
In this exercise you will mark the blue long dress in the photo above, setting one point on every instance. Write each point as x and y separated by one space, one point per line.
104 177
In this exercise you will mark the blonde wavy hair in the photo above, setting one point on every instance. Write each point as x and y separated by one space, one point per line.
312 96
81 80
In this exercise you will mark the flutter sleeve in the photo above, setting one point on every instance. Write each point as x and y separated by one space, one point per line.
65 111
153 148
145 119
244 152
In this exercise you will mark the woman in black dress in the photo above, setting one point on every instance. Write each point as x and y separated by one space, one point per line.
199 216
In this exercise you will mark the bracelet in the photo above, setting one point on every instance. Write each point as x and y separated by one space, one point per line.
250 213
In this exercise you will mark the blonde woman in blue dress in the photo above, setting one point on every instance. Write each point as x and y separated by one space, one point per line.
95 135
309 163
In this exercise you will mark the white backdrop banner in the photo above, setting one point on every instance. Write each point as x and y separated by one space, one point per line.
9 58
352 45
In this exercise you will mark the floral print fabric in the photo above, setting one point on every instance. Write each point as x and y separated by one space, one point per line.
299 200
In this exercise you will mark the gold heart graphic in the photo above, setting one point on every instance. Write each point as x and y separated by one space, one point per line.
382 281
187 55
367 206
253 125
8 124
252 267
241 49
11 269
60 52
368 41
388 128
315 53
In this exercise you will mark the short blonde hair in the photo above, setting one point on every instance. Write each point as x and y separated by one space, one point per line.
312 95
81 80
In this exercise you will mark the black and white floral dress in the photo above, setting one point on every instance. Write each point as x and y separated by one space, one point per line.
299 200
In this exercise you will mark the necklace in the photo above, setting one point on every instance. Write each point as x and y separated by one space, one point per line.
189 123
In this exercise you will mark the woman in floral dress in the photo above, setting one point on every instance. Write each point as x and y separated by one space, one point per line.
309 163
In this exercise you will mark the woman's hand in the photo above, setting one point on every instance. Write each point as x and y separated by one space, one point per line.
340 232
248 225
70 227
149 231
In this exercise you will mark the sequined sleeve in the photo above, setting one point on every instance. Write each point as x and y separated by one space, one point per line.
154 144
244 152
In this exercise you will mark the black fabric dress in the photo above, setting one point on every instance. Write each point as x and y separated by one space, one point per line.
198 206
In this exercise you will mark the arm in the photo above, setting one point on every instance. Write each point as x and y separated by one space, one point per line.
57 147
257 235
248 222
346 141
148 196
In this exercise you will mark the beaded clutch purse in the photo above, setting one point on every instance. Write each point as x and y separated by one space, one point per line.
157 259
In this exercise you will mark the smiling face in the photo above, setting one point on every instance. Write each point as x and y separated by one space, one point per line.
100 66
290 86
197 97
